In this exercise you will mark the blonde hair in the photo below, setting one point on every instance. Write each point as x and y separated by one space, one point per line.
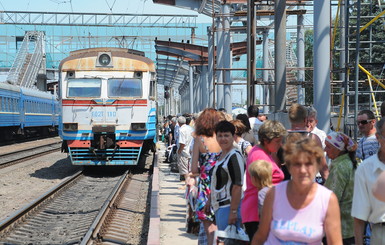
261 171
269 130
228 116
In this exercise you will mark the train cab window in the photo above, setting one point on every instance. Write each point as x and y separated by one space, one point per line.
84 87
124 87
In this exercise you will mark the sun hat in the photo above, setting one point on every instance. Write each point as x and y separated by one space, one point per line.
341 141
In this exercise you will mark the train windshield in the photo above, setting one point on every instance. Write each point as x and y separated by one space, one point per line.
84 87
124 87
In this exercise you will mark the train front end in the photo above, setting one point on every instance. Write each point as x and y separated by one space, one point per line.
108 106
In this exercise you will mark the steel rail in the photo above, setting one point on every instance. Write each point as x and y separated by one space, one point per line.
4 225
104 211
18 159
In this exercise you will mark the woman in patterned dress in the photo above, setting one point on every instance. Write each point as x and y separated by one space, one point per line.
341 149
205 154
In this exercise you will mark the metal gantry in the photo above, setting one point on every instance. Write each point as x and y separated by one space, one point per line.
97 19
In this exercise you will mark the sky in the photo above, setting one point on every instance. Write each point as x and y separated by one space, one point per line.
98 6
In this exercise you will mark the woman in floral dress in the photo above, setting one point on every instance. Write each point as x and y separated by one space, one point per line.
205 154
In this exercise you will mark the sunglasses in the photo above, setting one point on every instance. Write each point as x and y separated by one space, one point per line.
363 122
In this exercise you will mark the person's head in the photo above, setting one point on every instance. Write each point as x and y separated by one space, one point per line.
337 144
245 120
225 131
206 121
298 114
380 133
365 122
262 117
222 110
261 174
228 116
181 120
173 121
188 118
271 134
303 159
383 109
240 128
311 119
253 111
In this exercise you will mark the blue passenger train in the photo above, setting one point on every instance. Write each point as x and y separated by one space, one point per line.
24 112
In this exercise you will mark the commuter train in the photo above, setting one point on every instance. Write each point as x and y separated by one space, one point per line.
108 106
26 112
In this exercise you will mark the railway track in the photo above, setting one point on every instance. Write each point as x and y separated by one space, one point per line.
87 208
114 225
10 158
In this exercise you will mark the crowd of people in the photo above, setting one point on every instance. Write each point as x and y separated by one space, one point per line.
295 185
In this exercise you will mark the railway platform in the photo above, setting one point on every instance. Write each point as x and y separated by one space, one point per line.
168 206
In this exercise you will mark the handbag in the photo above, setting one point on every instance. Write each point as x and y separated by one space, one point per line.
231 236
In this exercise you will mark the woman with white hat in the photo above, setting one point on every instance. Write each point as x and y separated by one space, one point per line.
341 149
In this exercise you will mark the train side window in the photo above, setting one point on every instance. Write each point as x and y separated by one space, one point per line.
14 107
6 104
84 87
152 90
124 87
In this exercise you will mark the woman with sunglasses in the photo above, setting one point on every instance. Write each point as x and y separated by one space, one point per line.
368 144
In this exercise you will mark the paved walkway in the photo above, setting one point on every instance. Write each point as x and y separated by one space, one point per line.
171 206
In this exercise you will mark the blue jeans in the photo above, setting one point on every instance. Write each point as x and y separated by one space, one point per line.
222 218
367 233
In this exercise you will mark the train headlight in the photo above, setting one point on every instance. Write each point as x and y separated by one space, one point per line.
138 126
104 59
70 126
138 74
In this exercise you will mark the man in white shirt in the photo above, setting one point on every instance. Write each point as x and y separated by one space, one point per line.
255 124
365 206
311 125
184 145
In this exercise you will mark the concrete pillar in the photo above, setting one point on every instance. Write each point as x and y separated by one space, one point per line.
280 54
301 58
198 88
204 86
210 68
344 58
265 73
227 57
321 75
172 101
251 60
219 63
191 87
